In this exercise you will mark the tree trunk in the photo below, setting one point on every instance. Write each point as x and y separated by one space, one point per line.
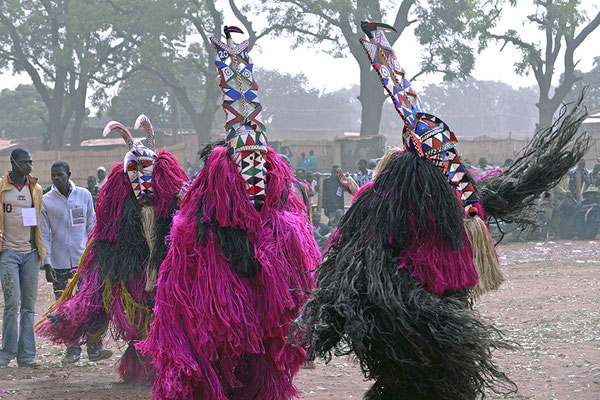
371 100
202 121
56 129
203 124
175 124
79 117
546 110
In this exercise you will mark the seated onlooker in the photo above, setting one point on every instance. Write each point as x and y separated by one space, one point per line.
321 231
579 178
587 219
563 216
335 220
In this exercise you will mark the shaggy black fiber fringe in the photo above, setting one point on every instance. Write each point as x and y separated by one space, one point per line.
552 152
415 345
209 147
124 258
410 199
162 227
234 243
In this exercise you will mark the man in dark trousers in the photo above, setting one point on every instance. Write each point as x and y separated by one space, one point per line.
21 252
68 217
333 193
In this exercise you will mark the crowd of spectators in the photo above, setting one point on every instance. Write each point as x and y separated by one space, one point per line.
571 210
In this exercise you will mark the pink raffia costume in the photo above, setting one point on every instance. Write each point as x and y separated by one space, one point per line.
239 266
114 287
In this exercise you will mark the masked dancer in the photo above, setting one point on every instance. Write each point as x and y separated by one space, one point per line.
239 266
114 286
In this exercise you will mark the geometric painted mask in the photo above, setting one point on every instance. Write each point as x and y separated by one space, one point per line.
246 137
138 163
423 133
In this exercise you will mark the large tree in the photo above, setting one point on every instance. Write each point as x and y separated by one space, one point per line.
565 27
64 46
188 69
444 28
140 93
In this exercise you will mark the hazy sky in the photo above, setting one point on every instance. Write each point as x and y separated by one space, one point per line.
325 72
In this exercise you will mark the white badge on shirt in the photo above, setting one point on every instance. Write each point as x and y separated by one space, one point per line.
29 216
77 217
339 192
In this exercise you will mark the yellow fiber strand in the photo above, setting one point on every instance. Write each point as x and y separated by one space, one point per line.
132 310
107 295
71 285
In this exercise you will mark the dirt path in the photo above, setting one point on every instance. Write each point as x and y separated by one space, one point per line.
550 305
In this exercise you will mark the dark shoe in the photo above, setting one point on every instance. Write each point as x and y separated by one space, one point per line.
28 364
102 354
73 355
4 362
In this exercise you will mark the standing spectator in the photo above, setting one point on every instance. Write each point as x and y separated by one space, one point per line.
312 163
483 165
21 250
101 173
587 219
313 186
300 174
371 164
595 175
363 176
67 219
333 193
300 188
303 161
92 187
337 217
579 177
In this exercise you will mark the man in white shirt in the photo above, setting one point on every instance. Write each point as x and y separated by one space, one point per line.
67 219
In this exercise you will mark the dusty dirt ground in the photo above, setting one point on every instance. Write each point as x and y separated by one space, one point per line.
550 306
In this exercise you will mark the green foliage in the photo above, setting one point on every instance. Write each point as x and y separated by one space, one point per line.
65 45
142 93
565 26
446 28
591 82
22 112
